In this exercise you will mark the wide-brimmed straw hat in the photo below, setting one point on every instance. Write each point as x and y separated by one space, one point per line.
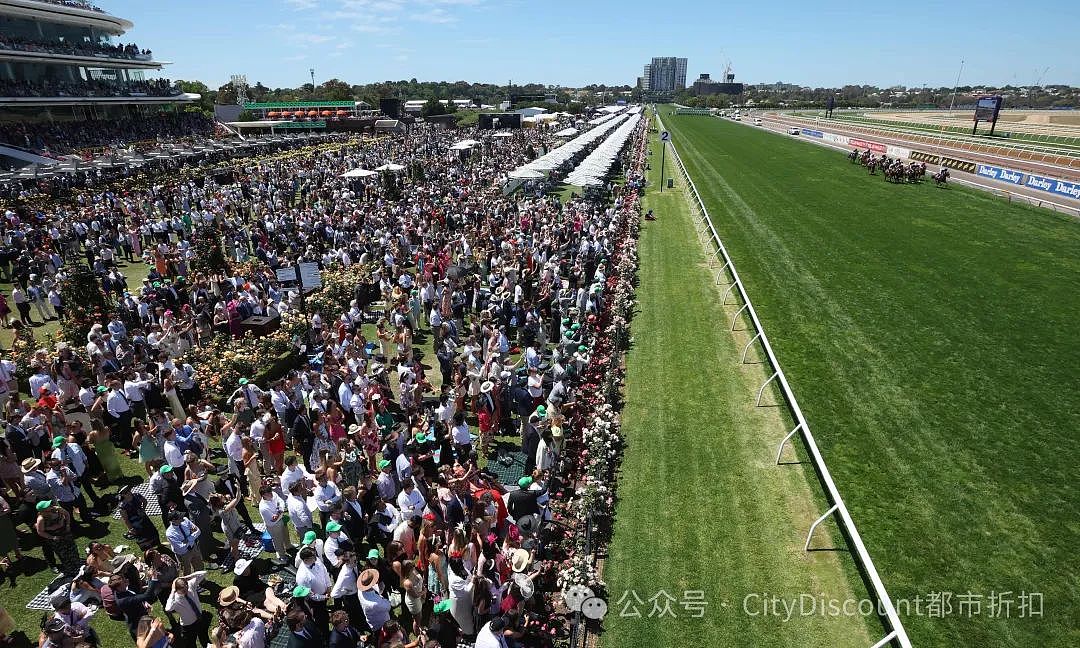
369 578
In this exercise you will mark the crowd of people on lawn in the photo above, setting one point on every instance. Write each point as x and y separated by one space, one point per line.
360 472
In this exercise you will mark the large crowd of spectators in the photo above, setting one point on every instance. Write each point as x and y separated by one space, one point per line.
75 4
83 48
88 88
62 137
363 466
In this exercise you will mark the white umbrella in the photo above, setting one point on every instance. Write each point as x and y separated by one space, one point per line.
359 173
526 174
390 167
503 134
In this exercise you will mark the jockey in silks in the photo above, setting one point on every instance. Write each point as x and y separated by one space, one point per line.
872 164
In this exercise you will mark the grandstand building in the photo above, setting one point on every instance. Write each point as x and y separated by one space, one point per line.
64 62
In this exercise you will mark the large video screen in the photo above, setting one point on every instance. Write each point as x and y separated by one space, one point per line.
986 108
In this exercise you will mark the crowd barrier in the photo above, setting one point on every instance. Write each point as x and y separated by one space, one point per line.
847 524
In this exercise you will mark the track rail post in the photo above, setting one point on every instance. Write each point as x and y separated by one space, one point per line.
825 516
735 319
747 347
780 450
763 386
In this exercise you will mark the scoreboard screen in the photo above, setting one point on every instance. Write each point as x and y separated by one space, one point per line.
987 108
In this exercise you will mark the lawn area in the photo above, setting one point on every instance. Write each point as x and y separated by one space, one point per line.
701 505
135 273
929 335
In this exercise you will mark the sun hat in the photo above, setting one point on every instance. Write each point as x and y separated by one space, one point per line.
228 596
30 464
525 482
354 429
57 441
486 387
333 526
241 566
44 504
300 591
167 468
368 579
373 554
519 560
441 607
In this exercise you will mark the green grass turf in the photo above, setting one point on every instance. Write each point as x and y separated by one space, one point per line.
929 335
701 505
135 273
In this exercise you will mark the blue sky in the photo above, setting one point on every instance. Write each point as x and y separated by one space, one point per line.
824 43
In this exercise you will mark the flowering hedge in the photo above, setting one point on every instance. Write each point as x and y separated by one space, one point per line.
593 454
226 360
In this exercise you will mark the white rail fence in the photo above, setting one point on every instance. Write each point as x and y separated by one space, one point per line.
707 233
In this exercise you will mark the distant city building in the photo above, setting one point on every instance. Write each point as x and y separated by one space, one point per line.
665 74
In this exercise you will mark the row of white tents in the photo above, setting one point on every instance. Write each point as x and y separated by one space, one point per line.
594 168
557 157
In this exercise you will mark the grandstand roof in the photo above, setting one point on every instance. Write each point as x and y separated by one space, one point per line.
63 13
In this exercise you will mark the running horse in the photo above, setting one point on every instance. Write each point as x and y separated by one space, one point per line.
941 177
853 157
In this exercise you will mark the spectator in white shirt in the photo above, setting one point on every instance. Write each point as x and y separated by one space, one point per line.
173 454
299 513
327 495
273 510
184 602
312 574
409 501
294 473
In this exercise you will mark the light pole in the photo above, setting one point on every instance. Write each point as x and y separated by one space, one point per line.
312 72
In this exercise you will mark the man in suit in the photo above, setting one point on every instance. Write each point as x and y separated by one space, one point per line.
133 606
302 632
343 635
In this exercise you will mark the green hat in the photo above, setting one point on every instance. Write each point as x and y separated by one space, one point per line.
442 606
373 554
566 320
243 381
541 411
332 526
569 334
420 437
575 326
300 591
41 506
101 389
309 537
165 469
525 482
181 278
383 463
582 347
57 441
156 284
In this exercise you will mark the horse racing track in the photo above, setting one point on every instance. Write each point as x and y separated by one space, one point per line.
930 336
